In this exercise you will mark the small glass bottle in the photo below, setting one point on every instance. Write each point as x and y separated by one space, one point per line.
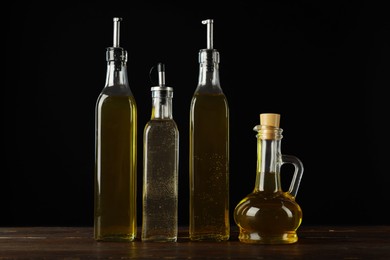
209 151
160 168
115 151
269 215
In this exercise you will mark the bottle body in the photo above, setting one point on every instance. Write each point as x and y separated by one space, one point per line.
268 218
209 158
115 158
160 186
269 215
160 174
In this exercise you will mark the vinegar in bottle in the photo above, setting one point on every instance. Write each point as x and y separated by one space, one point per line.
160 168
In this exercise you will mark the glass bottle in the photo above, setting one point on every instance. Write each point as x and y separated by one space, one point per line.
160 168
115 151
269 215
209 151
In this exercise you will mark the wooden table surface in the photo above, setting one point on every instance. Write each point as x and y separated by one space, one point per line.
315 242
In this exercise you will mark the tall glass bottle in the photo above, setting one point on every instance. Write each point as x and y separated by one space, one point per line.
269 215
115 151
209 151
160 168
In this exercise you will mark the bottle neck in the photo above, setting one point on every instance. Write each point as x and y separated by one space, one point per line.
116 76
209 69
268 164
161 104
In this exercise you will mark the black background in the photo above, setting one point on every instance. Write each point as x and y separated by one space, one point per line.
324 66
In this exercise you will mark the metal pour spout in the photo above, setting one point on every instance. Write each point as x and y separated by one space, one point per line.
209 23
116 31
161 74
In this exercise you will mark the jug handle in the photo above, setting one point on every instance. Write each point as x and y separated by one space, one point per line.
296 180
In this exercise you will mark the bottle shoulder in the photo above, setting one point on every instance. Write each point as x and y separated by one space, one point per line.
210 99
161 123
162 127
262 196
208 89
117 90
104 99
205 94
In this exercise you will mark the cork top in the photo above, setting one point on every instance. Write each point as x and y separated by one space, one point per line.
270 119
269 129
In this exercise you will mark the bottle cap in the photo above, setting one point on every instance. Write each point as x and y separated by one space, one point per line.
269 127
270 119
208 56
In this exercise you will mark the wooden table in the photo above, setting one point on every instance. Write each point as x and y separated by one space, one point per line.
315 242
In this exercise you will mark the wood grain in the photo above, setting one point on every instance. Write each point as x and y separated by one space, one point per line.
315 242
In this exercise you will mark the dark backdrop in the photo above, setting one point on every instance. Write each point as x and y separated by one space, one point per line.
324 66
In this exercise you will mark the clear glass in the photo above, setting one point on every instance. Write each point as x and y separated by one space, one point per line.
269 215
209 155
115 156
160 175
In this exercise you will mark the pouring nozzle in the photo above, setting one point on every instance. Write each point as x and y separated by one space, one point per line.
161 74
116 31
209 24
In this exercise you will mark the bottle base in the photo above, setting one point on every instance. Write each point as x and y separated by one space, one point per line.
209 237
159 239
115 238
289 237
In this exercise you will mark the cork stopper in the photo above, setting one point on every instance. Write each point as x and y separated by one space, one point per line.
269 127
270 119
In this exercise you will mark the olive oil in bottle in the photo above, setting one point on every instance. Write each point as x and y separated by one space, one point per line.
115 151
269 215
209 151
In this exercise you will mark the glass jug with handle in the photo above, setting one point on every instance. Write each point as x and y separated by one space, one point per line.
270 215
